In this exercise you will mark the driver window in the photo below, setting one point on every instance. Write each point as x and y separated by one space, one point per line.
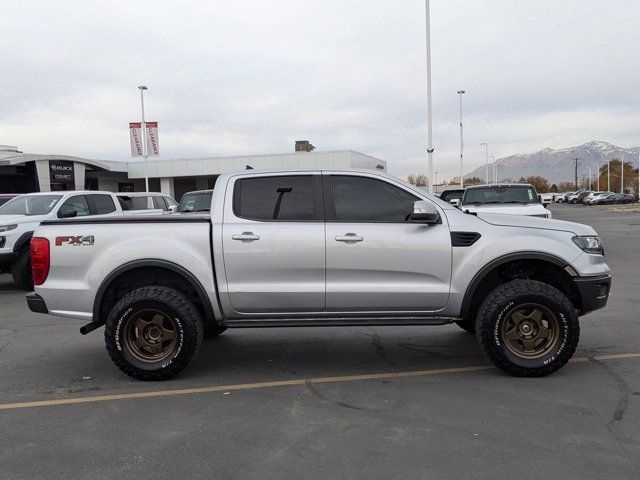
77 203
360 199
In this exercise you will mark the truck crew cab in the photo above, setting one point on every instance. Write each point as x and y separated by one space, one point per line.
321 248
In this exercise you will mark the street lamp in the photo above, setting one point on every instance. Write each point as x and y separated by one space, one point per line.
460 93
144 142
486 162
608 175
622 174
436 181
590 179
597 167
429 128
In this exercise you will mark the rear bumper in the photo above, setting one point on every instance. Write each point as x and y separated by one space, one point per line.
36 303
594 292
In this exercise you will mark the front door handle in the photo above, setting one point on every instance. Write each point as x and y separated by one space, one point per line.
349 237
246 237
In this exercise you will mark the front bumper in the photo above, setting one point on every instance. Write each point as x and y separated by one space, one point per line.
594 292
36 303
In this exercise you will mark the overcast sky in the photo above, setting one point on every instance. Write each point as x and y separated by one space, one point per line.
250 77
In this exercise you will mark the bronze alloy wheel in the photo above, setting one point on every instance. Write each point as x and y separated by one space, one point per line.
150 336
530 330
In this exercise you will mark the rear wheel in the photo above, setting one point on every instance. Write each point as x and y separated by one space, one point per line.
153 333
21 269
527 328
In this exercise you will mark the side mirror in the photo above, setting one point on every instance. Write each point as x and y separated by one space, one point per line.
455 202
424 212
173 209
67 213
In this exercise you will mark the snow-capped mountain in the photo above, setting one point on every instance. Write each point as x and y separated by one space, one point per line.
558 165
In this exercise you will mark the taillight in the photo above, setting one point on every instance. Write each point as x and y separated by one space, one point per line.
40 259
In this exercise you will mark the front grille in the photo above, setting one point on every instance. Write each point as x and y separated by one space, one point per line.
464 239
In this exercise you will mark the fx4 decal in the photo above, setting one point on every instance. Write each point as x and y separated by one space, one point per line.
75 240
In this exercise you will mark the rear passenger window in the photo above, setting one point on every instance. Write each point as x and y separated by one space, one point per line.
287 198
103 204
158 203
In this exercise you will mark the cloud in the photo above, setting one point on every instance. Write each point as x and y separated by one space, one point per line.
251 77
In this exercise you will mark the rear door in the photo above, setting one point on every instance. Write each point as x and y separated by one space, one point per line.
273 244
378 261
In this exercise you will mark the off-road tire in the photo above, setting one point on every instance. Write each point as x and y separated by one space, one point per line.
468 325
506 298
212 330
21 269
178 309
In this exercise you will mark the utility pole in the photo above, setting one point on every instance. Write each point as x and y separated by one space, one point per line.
576 174
621 174
608 175
429 116
598 174
460 93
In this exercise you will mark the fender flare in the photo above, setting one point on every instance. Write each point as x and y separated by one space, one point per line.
23 240
174 267
479 276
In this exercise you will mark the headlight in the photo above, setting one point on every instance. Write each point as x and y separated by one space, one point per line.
589 244
6 228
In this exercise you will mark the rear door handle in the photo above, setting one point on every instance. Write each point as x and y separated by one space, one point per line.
246 237
349 237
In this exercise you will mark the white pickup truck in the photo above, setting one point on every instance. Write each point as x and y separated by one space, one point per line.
320 248
20 216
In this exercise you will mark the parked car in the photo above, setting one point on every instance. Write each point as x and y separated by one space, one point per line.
20 216
563 197
322 248
147 201
578 197
613 198
5 197
594 196
508 198
196 201
545 198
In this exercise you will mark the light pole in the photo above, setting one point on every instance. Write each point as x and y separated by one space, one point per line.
486 162
621 174
460 93
436 185
597 167
144 142
608 175
493 168
429 128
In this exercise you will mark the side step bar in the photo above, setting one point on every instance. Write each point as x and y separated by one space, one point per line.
337 322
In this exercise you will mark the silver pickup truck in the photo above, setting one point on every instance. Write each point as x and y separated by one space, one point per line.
320 248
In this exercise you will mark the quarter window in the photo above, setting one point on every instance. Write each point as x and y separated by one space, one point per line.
360 199
286 198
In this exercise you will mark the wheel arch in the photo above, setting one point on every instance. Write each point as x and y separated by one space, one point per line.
178 277
548 263
23 240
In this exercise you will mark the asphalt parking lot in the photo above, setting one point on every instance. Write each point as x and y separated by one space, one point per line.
385 402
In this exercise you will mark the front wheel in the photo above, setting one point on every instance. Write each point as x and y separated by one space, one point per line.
153 333
527 328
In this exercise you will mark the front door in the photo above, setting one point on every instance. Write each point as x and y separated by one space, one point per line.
273 245
378 261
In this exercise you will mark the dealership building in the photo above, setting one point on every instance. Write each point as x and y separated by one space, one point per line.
26 172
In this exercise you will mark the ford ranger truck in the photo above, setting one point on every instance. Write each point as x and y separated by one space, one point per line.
320 248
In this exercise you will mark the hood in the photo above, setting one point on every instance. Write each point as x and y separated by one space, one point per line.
537 222
8 219
508 209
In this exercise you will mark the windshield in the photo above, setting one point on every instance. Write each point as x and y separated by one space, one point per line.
195 202
30 205
500 194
